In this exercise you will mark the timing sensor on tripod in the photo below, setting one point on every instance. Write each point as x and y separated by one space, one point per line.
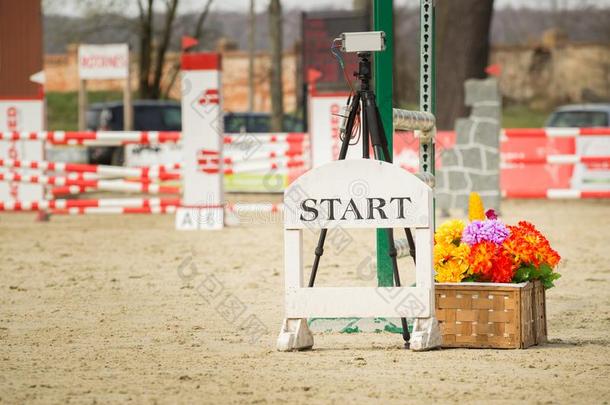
367 41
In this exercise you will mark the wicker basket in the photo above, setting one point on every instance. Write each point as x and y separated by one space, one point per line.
491 315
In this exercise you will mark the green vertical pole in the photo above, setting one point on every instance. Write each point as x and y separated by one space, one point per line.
383 17
427 80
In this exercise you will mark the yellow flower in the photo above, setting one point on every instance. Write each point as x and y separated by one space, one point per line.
450 255
447 251
449 232
451 272
475 207
443 252
461 252
451 262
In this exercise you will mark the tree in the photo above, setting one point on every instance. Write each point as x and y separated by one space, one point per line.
251 54
463 29
365 6
275 35
155 43
197 34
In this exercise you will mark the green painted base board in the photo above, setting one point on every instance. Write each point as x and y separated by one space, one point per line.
357 325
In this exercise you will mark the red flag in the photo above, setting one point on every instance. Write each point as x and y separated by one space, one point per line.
494 70
188 42
313 75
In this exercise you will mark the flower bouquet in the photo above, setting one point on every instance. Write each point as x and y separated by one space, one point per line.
491 279
487 250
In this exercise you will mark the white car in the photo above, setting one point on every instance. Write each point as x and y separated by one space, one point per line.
580 116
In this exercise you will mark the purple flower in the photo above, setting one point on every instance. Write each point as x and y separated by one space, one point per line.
490 230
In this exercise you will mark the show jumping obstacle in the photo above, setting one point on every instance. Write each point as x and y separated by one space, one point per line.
275 152
555 163
208 155
290 151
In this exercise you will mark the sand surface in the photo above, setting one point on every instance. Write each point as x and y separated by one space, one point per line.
109 309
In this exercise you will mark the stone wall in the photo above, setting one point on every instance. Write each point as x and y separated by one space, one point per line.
473 163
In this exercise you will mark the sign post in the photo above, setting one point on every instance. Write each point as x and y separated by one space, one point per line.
427 81
104 62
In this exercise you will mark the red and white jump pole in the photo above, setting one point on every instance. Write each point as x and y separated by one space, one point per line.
554 132
160 172
142 186
559 194
93 137
559 160
168 209
100 203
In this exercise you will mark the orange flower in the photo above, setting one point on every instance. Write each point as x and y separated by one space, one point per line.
489 262
503 269
527 246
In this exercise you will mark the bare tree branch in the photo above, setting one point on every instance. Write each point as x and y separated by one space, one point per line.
201 19
141 10
146 30
197 34
275 36
162 50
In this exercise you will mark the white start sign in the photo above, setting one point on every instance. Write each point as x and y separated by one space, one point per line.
357 193
109 61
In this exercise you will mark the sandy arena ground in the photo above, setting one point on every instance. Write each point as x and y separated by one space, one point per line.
111 309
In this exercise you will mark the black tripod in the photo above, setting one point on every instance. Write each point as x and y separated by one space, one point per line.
373 134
